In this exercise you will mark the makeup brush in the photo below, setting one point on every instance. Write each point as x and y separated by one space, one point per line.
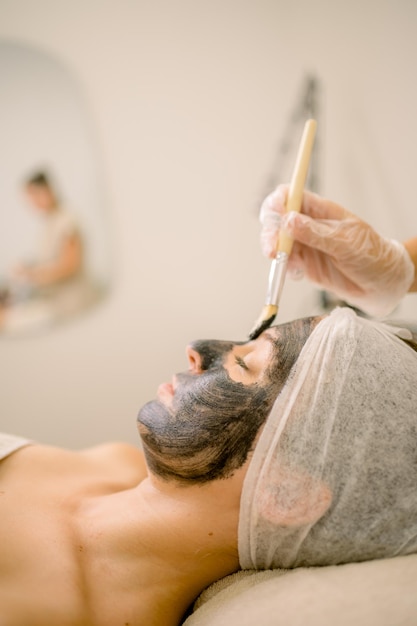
284 247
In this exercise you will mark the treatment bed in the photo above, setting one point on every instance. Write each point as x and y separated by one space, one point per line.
372 593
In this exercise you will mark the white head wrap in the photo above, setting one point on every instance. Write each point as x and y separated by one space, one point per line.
333 478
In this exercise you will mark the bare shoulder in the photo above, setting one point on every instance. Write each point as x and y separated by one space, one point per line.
118 454
117 460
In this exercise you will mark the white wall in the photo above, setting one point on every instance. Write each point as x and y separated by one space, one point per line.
190 99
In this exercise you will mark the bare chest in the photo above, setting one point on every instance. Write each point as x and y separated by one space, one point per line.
39 573
41 555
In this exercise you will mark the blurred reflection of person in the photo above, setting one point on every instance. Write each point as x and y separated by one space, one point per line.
59 255
53 285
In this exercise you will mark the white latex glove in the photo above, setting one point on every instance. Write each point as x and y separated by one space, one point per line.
339 252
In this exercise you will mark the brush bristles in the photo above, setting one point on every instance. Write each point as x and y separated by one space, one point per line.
264 321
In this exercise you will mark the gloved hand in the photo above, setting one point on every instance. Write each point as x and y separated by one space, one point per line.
339 252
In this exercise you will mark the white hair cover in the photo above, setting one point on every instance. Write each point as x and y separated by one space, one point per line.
333 478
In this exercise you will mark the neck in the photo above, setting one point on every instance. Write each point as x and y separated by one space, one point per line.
197 525
171 539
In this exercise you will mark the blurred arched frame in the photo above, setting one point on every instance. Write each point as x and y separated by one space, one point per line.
54 247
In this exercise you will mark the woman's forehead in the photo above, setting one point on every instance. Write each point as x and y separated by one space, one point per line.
276 330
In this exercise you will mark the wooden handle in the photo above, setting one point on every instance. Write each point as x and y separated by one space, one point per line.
295 193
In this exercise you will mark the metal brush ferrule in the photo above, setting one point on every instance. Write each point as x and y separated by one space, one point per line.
276 278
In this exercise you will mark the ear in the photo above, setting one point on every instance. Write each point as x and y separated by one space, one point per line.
294 498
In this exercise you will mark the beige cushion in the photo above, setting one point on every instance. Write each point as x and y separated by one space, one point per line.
373 593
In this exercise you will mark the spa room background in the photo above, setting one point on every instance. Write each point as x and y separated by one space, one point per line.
189 101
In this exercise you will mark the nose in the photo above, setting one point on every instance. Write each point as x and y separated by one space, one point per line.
194 360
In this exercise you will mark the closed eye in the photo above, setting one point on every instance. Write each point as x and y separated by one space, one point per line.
241 362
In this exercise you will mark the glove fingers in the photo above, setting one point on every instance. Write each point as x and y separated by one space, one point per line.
296 263
273 216
313 205
320 269
322 209
332 237
273 206
269 241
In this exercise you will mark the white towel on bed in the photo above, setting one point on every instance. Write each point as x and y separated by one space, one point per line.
11 443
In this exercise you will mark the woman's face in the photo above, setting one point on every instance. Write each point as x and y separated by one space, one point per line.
40 197
203 424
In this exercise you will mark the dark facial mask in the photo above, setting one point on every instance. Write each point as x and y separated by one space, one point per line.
210 428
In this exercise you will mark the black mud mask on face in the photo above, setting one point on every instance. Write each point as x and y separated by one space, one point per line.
209 429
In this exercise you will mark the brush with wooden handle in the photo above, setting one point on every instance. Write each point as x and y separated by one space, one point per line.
284 247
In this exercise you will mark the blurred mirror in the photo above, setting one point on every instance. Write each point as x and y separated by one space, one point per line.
54 257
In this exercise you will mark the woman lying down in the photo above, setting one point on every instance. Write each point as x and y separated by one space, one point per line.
296 449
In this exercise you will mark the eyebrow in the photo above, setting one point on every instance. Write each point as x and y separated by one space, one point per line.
269 371
240 362
271 338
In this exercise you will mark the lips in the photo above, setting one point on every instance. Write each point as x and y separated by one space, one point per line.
165 389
